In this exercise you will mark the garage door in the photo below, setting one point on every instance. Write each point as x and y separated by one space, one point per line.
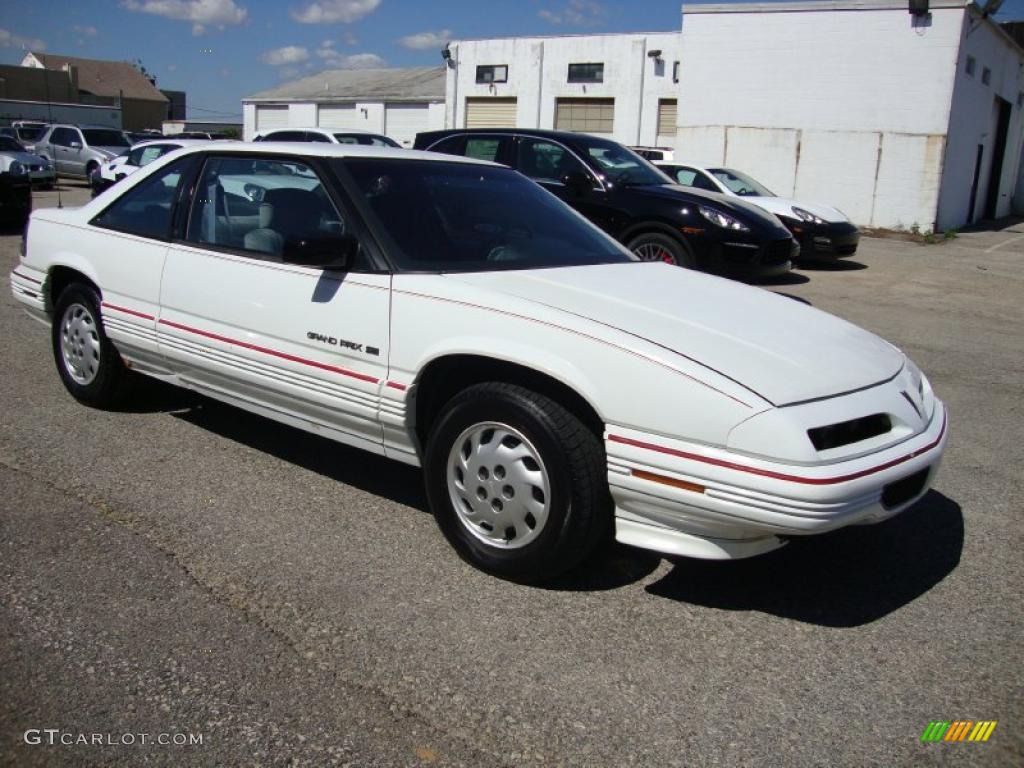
585 115
667 117
490 112
403 121
339 116
268 118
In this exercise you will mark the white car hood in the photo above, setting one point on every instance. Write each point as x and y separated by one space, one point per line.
783 206
779 348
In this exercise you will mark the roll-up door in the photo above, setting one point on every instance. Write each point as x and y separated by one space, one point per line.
667 117
585 115
339 116
490 112
403 121
271 117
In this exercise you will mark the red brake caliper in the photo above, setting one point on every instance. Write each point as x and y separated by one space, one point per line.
666 256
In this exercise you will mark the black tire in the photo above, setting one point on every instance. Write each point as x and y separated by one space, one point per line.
580 508
110 380
672 251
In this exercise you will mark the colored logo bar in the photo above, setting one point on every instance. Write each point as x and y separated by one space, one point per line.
958 730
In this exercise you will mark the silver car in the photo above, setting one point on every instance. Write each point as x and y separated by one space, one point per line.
78 150
40 170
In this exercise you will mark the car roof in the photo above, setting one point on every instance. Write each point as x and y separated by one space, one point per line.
695 166
566 136
321 129
317 149
171 140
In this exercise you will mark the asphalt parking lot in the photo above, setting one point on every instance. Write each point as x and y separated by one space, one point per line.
182 567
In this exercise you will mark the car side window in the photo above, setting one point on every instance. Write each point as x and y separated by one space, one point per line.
452 145
314 136
265 207
701 181
145 210
684 176
483 147
135 156
63 137
150 153
545 161
287 136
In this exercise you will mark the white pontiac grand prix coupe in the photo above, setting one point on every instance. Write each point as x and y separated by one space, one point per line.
452 314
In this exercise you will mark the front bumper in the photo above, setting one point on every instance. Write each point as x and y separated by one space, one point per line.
689 499
754 257
833 240
15 197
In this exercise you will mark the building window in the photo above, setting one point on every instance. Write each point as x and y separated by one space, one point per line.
492 73
586 73
969 67
585 115
986 76
675 72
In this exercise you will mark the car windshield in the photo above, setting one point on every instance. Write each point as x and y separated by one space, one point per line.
103 137
740 183
369 139
620 165
458 217
7 144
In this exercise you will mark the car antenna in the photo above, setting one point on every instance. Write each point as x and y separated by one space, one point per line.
49 110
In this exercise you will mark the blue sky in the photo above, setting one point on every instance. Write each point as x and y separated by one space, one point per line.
221 50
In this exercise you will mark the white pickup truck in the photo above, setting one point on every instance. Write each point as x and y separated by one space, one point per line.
452 314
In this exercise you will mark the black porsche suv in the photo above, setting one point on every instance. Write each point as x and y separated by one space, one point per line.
632 200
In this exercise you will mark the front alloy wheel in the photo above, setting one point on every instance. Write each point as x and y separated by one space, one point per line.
517 482
498 485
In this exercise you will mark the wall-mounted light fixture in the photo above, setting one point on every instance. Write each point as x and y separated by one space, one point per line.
446 54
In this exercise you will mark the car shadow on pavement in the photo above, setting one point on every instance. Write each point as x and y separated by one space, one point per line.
794 298
839 265
846 578
360 469
790 278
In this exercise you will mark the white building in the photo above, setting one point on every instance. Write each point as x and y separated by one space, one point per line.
394 102
622 86
898 119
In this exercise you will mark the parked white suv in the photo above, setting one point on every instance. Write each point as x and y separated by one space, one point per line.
451 313
328 136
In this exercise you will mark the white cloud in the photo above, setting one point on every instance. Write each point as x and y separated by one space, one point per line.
85 31
199 12
289 54
576 13
335 59
11 40
333 11
424 41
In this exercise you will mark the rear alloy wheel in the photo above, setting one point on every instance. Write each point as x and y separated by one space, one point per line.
88 364
654 246
517 482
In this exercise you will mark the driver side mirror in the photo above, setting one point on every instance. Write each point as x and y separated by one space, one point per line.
578 181
325 251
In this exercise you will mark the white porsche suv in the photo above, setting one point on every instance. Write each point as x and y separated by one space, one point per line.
450 313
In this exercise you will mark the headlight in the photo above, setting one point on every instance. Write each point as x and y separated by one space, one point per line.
807 216
722 220
922 388
16 169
